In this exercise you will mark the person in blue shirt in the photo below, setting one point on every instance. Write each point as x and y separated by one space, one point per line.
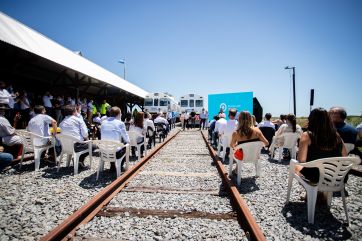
347 132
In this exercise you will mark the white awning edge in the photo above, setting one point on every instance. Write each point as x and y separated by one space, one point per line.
15 33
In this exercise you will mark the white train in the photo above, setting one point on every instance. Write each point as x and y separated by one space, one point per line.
161 102
192 101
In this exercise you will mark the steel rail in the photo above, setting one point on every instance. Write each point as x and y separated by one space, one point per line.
67 228
245 218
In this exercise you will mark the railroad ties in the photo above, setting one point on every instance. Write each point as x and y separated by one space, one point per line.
177 195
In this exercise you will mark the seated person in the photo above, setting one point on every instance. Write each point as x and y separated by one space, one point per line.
113 129
347 132
291 126
219 125
267 121
161 119
39 125
139 128
5 159
11 142
73 126
245 132
148 124
97 118
320 141
282 120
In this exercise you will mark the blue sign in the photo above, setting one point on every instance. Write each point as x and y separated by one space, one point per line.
240 101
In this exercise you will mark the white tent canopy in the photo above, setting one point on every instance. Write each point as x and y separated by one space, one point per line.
21 36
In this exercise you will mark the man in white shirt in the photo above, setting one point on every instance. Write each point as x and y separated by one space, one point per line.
39 125
4 95
114 129
203 119
75 127
219 126
160 119
186 121
10 141
228 129
48 103
267 121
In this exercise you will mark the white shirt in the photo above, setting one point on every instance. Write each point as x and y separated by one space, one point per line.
149 123
4 96
39 125
220 124
7 133
203 115
139 132
114 130
24 103
229 128
267 124
73 126
47 102
97 119
160 119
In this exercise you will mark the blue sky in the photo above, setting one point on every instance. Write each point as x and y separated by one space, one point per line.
209 47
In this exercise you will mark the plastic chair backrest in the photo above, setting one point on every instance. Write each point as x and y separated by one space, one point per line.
332 171
133 138
251 151
108 149
349 147
26 138
268 133
290 139
67 143
159 127
150 132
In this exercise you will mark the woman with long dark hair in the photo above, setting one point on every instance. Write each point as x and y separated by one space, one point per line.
320 141
139 128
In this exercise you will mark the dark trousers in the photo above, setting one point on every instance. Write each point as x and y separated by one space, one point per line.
202 123
193 122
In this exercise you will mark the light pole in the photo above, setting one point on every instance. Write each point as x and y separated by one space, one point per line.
295 108
123 61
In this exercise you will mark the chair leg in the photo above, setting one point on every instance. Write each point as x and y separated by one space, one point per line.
257 168
59 160
231 162
76 163
290 183
99 168
311 201
118 167
68 159
37 154
238 163
345 205
22 158
280 154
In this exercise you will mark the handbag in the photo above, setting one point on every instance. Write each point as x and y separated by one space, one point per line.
239 155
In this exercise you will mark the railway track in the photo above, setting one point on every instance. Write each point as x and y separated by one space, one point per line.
179 191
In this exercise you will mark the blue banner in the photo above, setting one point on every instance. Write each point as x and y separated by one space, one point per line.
240 101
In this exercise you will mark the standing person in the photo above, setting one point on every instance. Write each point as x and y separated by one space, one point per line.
75 127
90 111
113 129
104 107
25 108
47 102
182 120
186 122
320 141
58 110
193 118
347 132
202 119
39 125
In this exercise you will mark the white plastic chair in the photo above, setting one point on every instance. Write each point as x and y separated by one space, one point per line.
251 154
349 147
133 143
290 142
332 172
224 142
68 149
107 150
27 138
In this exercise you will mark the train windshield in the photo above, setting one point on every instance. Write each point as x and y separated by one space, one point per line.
148 102
192 103
184 103
199 103
163 102
155 102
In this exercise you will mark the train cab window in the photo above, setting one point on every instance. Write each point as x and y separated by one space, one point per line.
199 103
155 102
163 102
192 103
184 103
148 102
